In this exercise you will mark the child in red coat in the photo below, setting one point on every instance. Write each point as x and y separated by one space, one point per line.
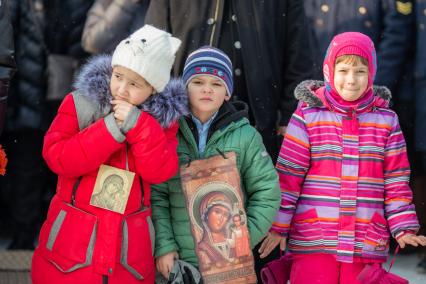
112 137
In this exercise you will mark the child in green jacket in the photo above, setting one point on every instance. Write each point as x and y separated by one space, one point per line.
214 126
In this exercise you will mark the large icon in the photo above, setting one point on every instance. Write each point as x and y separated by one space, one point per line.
218 221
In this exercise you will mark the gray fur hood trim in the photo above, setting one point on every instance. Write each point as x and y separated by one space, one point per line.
92 95
305 92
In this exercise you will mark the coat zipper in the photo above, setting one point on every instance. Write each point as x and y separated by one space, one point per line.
189 137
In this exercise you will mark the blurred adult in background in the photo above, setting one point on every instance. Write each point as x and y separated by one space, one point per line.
7 61
420 125
266 42
64 29
23 185
388 23
110 21
42 28
7 69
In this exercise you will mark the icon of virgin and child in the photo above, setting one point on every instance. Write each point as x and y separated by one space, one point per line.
223 235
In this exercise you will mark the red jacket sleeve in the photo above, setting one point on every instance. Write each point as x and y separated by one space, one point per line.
71 152
154 149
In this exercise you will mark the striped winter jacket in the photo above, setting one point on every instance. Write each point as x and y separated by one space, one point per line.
344 179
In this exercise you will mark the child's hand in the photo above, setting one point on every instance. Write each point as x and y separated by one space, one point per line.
121 110
281 130
270 242
411 239
165 263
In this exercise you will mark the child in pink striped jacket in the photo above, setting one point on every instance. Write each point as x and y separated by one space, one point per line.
343 171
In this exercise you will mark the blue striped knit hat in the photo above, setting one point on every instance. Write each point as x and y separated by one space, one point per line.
209 61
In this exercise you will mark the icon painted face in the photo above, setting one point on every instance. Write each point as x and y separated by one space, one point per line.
129 86
112 189
237 220
206 96
350 80
217 218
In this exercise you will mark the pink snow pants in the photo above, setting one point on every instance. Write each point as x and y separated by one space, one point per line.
323 269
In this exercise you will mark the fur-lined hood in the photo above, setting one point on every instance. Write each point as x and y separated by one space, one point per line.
306 92
92 95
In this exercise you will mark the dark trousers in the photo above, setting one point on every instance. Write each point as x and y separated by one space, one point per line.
272 142
24 186
417 164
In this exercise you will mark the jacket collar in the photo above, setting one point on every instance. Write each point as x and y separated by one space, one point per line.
92 84
229 112
311 92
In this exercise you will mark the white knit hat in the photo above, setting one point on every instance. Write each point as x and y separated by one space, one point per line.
150 52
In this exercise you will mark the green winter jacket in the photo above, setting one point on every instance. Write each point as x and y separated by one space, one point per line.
230 131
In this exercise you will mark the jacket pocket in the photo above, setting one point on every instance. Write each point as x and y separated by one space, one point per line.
137 248
376 240
68 236
307 227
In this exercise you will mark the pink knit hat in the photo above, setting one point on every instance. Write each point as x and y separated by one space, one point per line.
349 43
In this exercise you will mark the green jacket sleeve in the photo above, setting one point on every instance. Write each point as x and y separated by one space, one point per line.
260 180
164 236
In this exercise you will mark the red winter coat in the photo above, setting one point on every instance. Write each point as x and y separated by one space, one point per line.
82 243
